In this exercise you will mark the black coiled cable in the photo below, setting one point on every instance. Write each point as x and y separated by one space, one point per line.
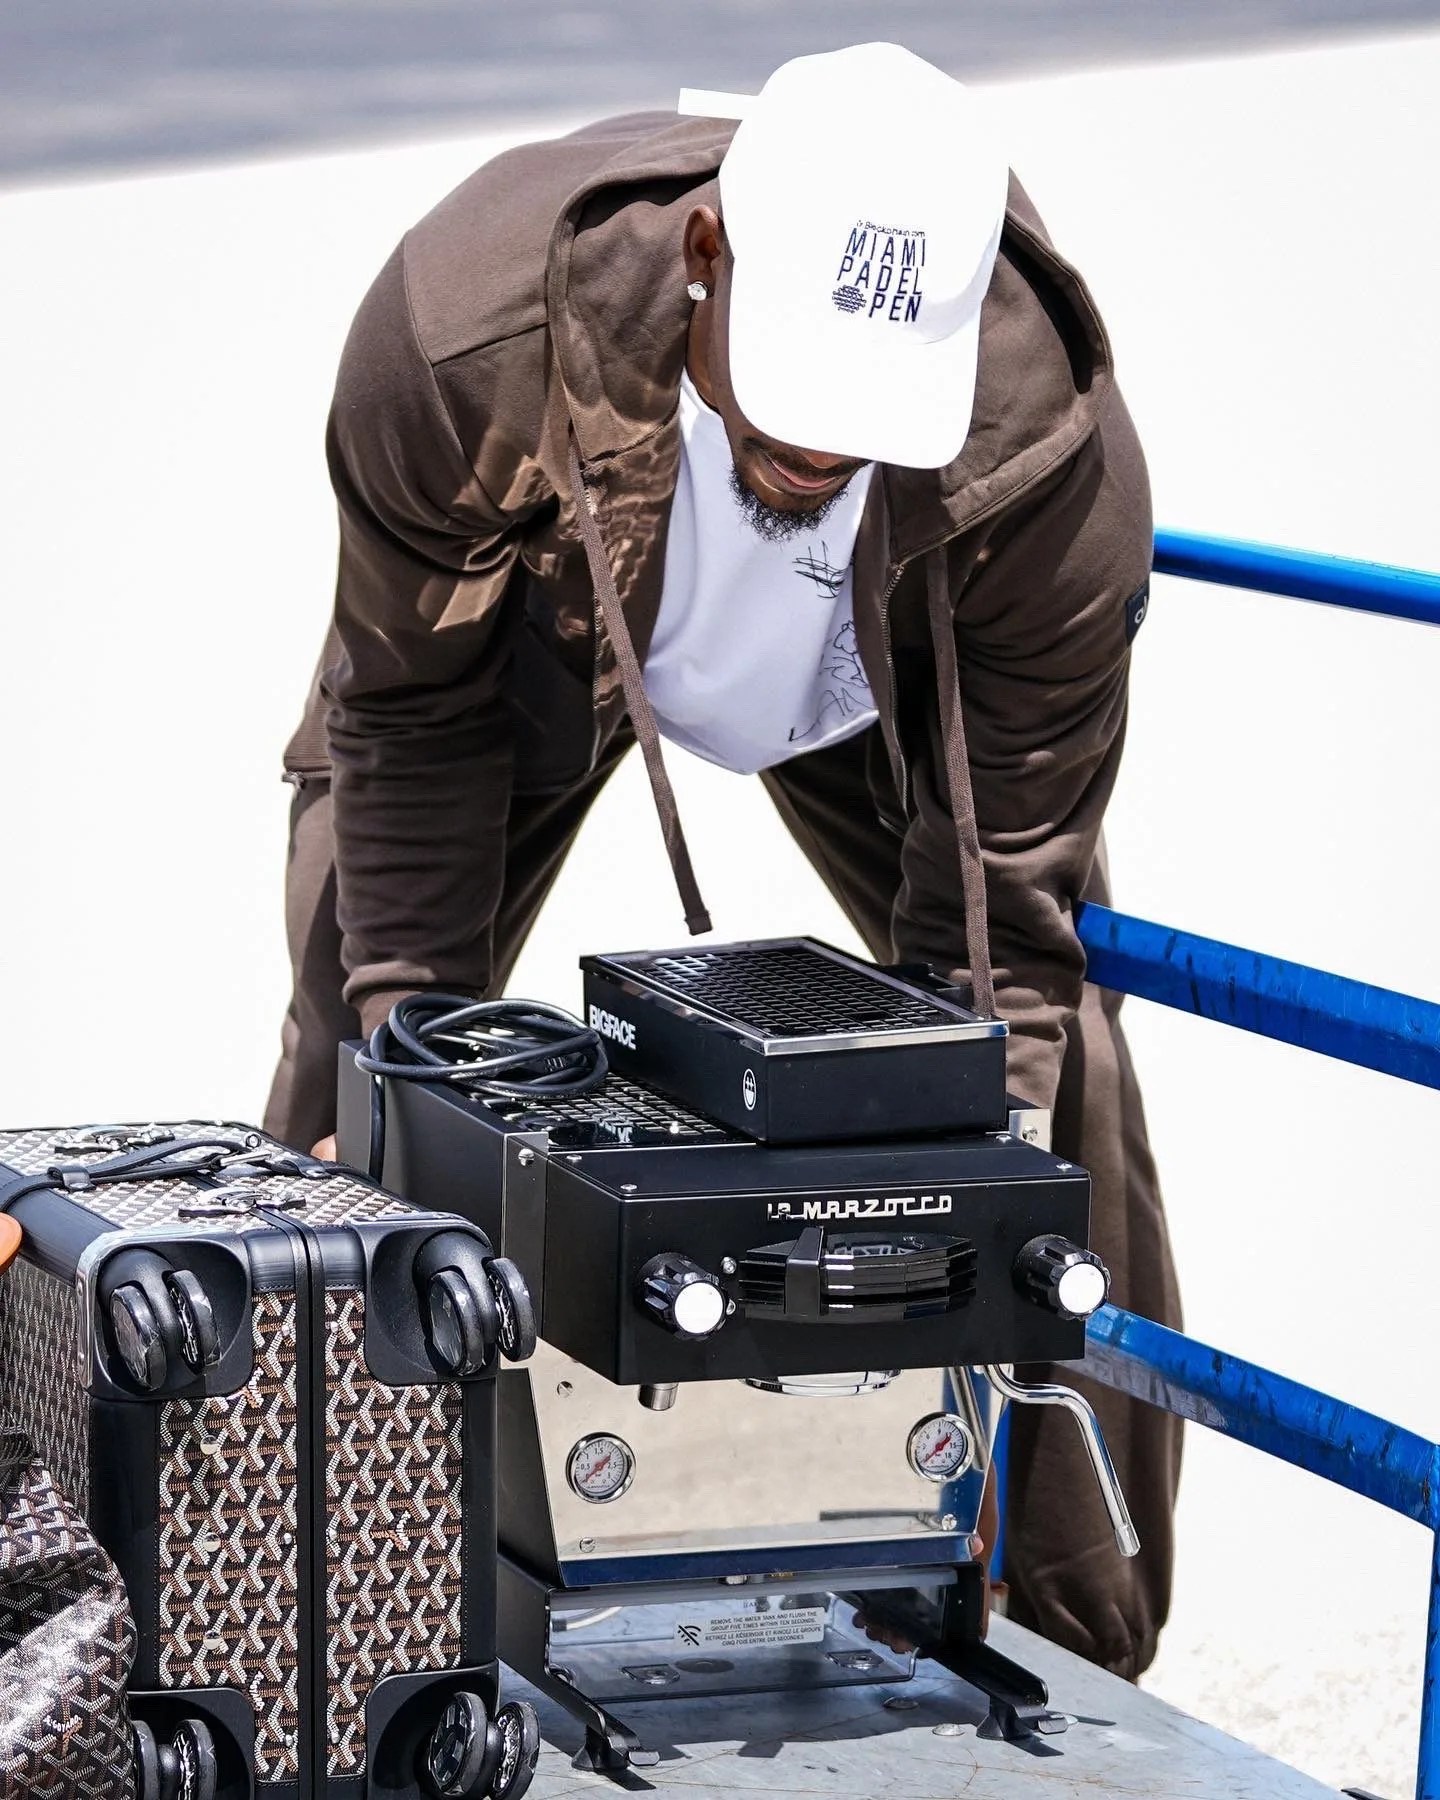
502 1048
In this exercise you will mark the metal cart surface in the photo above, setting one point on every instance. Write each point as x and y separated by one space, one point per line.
919 1741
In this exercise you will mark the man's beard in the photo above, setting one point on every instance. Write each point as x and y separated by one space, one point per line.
769 522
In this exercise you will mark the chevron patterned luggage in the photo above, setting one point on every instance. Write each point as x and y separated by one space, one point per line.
269 1387
65 1645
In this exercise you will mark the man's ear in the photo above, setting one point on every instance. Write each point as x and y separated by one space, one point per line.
704 246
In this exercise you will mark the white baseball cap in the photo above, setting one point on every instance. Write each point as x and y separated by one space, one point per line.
863 198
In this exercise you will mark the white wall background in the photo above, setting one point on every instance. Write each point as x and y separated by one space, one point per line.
1261 234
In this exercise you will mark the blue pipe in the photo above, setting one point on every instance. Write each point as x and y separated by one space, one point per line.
1310 1430
1333 580
1371 1026
1427 1781
1001 1455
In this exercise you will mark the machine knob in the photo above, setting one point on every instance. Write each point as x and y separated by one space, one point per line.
681 1296
1058 1274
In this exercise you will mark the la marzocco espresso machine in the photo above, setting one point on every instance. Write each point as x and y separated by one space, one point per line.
783 1253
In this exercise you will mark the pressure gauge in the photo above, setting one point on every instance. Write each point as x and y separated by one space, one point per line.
600 1468
941 1447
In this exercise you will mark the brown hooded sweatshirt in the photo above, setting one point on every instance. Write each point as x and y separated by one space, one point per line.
539 315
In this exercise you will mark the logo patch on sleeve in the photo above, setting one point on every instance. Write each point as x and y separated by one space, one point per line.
1136 608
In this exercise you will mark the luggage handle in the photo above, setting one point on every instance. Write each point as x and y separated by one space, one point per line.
112 1137
151 1162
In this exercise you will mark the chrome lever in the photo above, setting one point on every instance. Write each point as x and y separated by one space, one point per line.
1127 1540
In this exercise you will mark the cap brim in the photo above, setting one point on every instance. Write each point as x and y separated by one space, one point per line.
820 384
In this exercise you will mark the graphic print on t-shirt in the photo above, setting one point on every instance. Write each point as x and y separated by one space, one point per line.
752 658
818 569
848 694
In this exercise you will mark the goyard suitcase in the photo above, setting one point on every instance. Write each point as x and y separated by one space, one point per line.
269 1387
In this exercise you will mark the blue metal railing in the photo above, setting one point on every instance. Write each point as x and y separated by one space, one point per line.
1301 1426
1370 1026
1333 580
1309 1430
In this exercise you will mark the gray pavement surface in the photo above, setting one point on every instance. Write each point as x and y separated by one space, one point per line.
848 1741
88 86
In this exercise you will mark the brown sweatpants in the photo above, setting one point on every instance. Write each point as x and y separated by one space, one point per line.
1066 1578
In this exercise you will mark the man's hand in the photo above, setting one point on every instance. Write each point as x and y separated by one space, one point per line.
325 1149
880 1631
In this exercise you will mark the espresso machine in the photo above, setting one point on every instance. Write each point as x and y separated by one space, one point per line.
785 1237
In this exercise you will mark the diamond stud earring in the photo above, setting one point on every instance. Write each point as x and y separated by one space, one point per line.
697 290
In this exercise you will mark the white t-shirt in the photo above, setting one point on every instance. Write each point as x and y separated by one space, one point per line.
753 659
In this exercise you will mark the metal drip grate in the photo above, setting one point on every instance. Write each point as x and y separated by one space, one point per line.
791 990
619 1108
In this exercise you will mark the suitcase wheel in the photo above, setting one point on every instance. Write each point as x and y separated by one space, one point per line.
472 1757
519 1733
195 1759
518 1335
464 1322
147 1761
457 1754
138 1337
199 1335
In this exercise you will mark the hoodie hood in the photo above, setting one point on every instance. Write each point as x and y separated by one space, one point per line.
618 317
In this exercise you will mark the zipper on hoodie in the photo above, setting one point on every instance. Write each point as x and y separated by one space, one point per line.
896 571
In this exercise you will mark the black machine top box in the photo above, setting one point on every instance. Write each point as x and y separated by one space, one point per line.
791 1041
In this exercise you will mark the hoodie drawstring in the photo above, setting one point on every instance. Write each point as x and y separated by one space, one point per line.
952 731
957 772
637 701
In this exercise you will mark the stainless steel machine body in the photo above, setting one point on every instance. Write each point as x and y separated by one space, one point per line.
731 1472
750 1449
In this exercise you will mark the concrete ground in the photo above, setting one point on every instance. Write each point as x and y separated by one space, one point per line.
1261 235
